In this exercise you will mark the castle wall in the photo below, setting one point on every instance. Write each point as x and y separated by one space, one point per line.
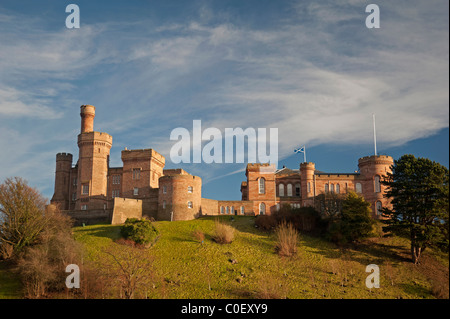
126 208
90 217
209 207
235 207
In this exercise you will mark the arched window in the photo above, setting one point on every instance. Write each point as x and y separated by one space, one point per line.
377 184
281 190
309 187
242 210
332 188
326 188
338 189
378 207
228 209
222 210
262 185
289 190
297 190
232 209
358 188
262 209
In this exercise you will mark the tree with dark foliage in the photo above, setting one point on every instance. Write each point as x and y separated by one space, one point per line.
418 189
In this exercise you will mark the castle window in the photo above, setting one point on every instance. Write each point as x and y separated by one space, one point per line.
297 190
309 187
326 188
228 210
164 189
289 190
190 205
262 209
332 188
378 207
74 196
136 173
222 210
83 207
281 190
164 204
85 189
358 188
338 189
262 185
242 210
116 179
115 193
278 206
74 182
190 189
136 191
232 209
377 184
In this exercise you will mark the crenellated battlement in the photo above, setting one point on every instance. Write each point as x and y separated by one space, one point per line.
142 154
307 166
64 157
376 159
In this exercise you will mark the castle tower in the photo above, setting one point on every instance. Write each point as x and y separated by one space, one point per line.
142 170
372 170
93 162
180 197
261 187
62 180
307 170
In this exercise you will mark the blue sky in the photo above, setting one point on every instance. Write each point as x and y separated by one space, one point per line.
309 68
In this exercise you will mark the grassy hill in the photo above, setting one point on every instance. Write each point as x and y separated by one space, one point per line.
182 267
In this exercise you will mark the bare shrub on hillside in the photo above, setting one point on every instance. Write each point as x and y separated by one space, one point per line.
42 265
270 287
287 238
22 216
127 271
223 233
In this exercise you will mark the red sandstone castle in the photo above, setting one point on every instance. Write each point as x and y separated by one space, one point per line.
92 191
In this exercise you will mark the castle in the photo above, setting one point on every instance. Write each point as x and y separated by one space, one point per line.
91 191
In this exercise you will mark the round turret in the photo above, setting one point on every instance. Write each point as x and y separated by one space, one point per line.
373 169
87 113
180 197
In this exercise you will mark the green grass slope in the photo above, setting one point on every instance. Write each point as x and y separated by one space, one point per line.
249 267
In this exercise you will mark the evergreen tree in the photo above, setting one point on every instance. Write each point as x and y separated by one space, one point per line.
356 220
418 189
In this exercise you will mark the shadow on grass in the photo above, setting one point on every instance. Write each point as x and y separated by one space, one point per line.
365 253
107 231
416 290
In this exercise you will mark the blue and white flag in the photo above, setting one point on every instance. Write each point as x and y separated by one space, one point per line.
301 150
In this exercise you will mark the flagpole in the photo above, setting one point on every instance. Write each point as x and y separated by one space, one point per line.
304 154
374 134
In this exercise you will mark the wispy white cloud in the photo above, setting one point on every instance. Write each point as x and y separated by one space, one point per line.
317 76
